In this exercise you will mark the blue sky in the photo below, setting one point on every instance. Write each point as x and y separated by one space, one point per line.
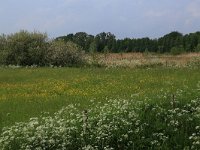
124 18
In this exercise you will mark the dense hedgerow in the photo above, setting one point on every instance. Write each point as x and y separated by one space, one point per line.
116 124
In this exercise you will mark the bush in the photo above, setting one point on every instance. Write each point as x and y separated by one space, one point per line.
23 48
3 49
177 50
33 48
197 49
60 53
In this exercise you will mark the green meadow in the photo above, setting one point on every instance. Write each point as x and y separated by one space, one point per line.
140 108
27 92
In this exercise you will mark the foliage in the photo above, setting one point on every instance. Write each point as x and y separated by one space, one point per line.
162 45
23 48
197 49
60 53
177 50
33 48
116 124
3 49
80 38
29 48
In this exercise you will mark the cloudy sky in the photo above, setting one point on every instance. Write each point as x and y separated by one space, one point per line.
124 18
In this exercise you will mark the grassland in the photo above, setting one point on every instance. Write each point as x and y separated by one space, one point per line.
171 93
25 93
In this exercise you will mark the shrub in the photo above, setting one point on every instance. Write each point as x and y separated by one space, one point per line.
23 48
33 48
197 49
60 53
177 50
3 49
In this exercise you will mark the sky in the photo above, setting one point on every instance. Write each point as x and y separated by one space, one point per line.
124 18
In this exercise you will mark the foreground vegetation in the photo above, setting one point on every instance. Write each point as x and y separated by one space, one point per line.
115 124
103 108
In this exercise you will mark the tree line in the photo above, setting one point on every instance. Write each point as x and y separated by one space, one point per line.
174 42
34 48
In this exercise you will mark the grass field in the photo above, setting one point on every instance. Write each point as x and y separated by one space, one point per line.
27 92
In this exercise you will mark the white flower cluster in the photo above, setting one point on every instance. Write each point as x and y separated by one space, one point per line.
115 124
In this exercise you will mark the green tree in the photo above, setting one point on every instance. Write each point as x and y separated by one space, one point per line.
24 48
93 52
93 47
191 41
177 50
168 41
67 38
3 49
80 38
104 39
197 49
106 52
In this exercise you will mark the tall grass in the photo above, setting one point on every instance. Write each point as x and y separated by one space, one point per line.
135 60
